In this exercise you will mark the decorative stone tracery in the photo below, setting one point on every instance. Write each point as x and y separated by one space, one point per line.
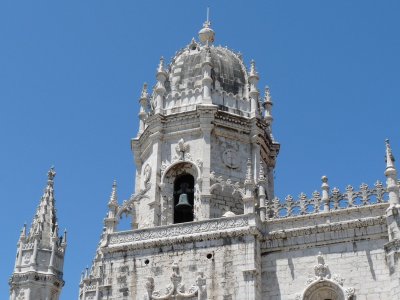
176 290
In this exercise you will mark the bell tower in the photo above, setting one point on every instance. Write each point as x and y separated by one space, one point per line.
205 133
204 156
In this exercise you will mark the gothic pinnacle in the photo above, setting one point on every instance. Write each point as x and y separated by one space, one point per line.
390 168
391 176
161 65
144 94
113 198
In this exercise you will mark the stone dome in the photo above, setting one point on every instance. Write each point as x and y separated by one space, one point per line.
228 72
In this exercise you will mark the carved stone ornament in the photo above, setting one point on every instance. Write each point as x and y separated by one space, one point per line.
322 282
182 155
176 290
230 158
146 174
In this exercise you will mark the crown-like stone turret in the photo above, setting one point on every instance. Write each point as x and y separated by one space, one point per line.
38 272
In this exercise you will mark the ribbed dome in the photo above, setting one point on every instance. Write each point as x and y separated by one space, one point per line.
228 72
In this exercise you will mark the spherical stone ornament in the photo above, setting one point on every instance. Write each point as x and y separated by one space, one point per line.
206 34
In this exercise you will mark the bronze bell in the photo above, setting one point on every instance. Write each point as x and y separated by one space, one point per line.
183 203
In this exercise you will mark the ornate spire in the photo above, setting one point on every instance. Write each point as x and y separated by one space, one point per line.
268 106
45 253
390 168
206 34
391 177
44 222
113 198
144 94
161 65
253 71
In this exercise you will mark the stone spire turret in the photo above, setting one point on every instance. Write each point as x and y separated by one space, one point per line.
253 93
268 106
160 88
110 222
40 255
391 176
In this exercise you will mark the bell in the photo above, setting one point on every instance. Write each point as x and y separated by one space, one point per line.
183 203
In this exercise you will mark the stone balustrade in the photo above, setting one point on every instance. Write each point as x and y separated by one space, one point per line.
338 200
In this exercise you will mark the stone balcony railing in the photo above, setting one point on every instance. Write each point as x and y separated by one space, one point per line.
170 234
290 207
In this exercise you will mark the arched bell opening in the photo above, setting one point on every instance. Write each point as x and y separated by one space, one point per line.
183 198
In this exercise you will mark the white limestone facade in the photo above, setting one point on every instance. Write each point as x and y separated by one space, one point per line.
205 221
38 272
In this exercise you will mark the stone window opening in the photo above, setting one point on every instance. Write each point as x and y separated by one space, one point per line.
183 198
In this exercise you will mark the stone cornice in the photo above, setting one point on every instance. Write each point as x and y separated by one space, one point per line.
36 277
372 227
184 232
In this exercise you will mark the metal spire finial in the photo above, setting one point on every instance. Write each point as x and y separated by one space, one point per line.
206 34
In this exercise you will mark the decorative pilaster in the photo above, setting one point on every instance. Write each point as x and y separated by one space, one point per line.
207 80
248 198
262 181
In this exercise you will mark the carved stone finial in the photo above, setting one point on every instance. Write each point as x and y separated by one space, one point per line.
181 148
253 67
161 65
113 196
144 94
267 96
389 155
321 269
51 174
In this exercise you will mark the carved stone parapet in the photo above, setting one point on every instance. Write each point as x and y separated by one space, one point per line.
184 232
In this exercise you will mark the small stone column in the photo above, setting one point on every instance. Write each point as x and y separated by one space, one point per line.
142 113
325 193
253 94
160 88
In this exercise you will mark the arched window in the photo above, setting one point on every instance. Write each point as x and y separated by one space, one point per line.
183 198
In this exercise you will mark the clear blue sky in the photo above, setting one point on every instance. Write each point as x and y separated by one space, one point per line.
71 73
